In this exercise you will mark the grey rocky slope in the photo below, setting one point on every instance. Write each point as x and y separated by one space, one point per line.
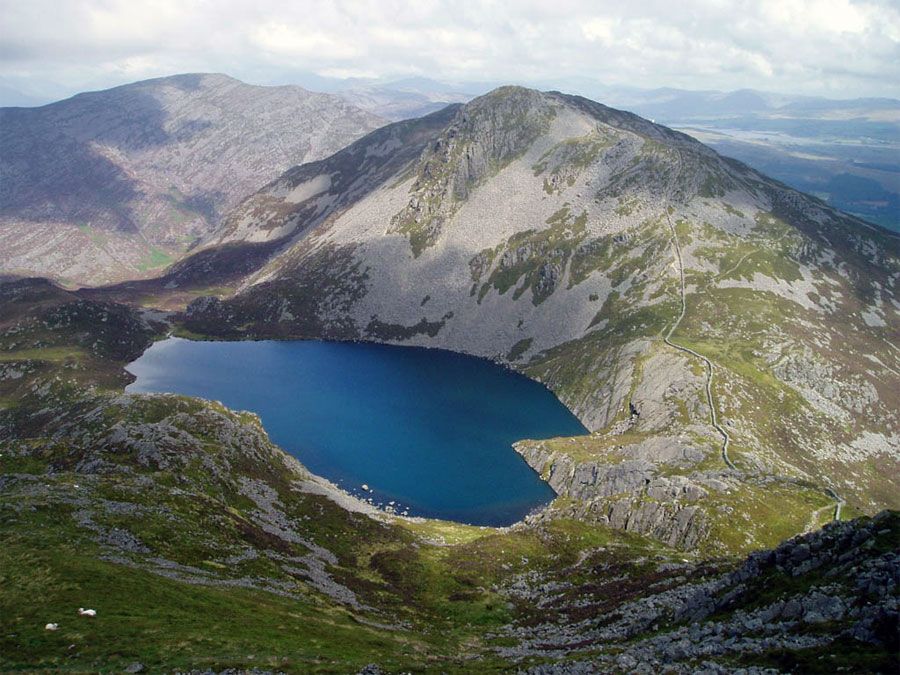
806 606
845 151
565 238
113 184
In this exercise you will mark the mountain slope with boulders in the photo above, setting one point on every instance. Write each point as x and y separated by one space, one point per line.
730 342
116 184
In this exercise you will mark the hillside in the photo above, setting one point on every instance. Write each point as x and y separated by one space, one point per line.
844 151
671 298
117 184
201 545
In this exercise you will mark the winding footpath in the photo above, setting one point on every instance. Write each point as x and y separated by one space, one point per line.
710 369
726 439
838 501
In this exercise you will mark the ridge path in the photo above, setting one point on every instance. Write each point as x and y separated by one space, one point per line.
726 439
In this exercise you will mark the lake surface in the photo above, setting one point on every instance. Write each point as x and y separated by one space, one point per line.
428 429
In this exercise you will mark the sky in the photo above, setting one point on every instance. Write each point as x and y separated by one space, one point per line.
50 49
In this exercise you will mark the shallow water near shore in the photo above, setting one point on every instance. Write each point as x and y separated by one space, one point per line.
427 429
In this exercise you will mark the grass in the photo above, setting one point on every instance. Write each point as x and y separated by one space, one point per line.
166 624
594 447
730 326
145 617
529 254
53 354
762 515
439 598
155 260
843 654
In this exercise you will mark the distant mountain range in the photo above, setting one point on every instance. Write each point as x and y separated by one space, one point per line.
114 184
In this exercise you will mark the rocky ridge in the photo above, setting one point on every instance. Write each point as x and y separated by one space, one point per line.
767 611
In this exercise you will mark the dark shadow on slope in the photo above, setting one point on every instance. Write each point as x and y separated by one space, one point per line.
355 172
210 271
51 171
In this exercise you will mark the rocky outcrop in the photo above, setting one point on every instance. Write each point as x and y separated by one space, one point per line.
815 596
809 373
492 132
628 491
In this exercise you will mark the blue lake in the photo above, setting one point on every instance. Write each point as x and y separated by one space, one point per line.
428 429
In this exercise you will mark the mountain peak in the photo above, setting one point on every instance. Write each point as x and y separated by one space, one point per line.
509 100
566 238
191 80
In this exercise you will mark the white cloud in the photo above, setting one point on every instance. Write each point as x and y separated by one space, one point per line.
297 40
598 29
844 47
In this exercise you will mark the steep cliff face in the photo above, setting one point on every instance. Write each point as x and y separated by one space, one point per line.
114 184
642 277
487 136
628 493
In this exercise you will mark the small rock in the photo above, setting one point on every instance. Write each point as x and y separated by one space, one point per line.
792 608
626 661
371 669
135 667
814 617
800 553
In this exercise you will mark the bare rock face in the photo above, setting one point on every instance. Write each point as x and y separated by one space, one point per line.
492 132
114 184
633 489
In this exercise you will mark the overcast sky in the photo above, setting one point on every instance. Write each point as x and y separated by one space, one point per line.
50 49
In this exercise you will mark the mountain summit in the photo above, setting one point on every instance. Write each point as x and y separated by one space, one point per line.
694 314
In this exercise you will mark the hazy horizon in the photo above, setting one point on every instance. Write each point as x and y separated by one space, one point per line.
830 48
